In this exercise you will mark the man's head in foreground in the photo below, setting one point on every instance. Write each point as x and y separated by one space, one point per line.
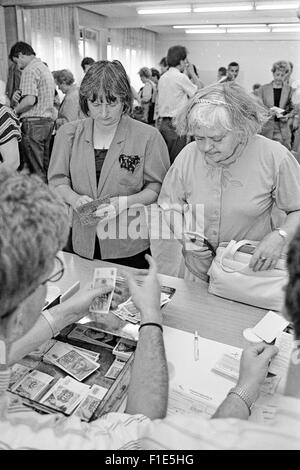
33 228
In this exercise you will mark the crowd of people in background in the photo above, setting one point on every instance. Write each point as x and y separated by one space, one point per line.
30 89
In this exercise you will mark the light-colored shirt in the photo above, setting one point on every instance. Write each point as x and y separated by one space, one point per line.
174 90
22 428
237 199
188 432
37 80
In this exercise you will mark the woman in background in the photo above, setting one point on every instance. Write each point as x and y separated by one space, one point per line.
147 95
277 96
69 109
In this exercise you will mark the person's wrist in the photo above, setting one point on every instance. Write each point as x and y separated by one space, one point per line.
244 396
252 388
62 316
151 314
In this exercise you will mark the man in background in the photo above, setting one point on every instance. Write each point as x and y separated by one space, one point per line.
232 71
34 107
86 63
174 90
163 65
222 74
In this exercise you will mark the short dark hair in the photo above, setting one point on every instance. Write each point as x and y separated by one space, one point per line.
164 62
233 64
155 72
175 55
87 61
222 71
20 47
256 86
106 79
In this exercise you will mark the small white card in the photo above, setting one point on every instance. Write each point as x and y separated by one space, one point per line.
270 326
279 365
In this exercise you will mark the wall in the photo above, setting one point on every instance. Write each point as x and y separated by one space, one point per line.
3 47
254 56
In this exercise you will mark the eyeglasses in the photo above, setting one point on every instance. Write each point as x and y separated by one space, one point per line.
113 104
58 271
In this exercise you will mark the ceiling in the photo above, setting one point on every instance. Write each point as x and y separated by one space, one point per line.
124 14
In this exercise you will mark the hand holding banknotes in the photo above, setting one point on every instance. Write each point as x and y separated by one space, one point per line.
81 200
78 305
115 207
146 296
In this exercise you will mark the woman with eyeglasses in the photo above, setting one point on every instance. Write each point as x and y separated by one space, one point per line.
229 180
111 157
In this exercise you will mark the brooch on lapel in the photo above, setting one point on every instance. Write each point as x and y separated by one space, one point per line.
129 162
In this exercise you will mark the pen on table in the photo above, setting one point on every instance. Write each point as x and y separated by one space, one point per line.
196 346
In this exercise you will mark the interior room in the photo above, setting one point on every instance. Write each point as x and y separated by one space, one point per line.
149 227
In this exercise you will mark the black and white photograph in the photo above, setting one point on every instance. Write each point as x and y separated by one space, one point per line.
149 227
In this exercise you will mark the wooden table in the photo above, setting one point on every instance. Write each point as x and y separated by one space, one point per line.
192 307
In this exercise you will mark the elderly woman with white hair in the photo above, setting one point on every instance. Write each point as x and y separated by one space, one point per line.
227 181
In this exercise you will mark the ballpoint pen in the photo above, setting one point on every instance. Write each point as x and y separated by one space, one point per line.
196 346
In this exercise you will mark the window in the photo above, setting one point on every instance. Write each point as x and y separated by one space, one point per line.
89 44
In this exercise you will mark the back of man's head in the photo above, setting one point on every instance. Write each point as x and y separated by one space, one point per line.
21 48
222 71
86 63
33 228
175 55
164 62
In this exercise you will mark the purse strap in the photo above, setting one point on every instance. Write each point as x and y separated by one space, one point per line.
230 251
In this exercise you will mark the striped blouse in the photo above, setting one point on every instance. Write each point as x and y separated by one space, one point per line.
9 125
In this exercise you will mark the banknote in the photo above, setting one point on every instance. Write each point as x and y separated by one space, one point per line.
17 372
124 349
90 403
115 369
86 211
70 360
93 336
65 395
33 384
103 277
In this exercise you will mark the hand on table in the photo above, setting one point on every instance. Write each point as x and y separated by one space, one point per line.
254 366
268 252
146 296
109 211
81 200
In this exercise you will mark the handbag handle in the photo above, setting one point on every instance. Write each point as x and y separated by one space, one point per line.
230 251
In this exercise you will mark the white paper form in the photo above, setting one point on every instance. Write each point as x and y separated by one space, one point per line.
194 379
196 389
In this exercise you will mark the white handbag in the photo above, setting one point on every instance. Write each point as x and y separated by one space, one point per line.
230 277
